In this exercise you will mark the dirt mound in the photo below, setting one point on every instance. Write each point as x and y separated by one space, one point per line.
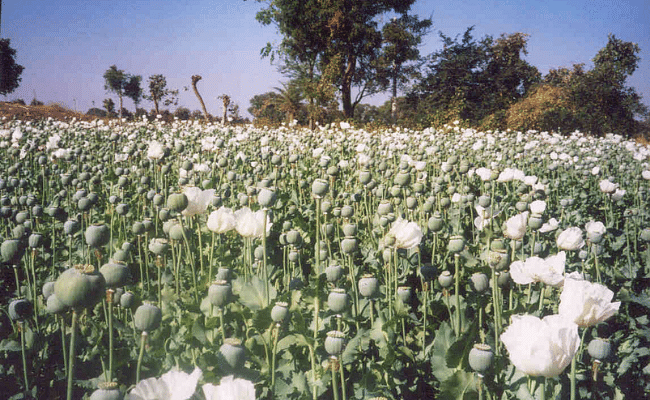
19 111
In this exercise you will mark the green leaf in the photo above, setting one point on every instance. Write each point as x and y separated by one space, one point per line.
253 294
460 385
443 341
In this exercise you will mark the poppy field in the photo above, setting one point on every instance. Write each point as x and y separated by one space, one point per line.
179 260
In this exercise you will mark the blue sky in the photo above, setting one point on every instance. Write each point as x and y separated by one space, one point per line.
67 45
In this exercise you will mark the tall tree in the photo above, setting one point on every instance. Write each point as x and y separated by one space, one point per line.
473 79
10 71
400 57
195 80
123 85
264 107
343 34
158 92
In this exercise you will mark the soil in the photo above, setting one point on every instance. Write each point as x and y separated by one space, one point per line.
19 111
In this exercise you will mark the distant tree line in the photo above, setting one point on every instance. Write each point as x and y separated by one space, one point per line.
339 51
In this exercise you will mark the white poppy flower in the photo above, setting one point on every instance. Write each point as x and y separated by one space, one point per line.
586 303
515 227
156 150
537 207
222 220
595 231
606 186
407 234
570 239
535 269
541 347
197 200
251 224
174 385
549 226
231 388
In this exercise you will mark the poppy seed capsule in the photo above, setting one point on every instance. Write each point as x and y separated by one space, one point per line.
80 286
267 197
54 305
404 294
445 279
456 244
97 235
333 273
319 187
115 273
19 309
107 391
279 311
337 300
599 348
480 282
368 285
177 202
12 251
349 245
147 317
480 357
232 354
334 343
219 293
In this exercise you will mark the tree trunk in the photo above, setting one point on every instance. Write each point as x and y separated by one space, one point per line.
120 113
195 79
155 104
393 105
346 87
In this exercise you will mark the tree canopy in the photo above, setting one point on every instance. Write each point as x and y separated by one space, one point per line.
123 85
158 92
337 41
10 71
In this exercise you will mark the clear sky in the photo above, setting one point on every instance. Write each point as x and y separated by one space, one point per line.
67 45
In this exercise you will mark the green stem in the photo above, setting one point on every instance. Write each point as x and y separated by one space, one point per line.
110 336
143 341
333 364
457 293
71 358
21 326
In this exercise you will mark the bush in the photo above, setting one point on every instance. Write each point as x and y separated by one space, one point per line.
96 112
547 108
182 113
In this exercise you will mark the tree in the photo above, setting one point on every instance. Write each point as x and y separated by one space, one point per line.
264 107
226 102
195 80
9 71
109 105
158 92
400 58
599 100
123 85
340 35
473 80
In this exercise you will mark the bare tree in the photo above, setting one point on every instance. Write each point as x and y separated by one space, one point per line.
195 79
226 102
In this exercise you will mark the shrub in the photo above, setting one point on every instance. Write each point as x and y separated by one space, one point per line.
547 108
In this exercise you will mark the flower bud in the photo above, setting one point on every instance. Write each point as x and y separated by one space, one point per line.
445 279
231 354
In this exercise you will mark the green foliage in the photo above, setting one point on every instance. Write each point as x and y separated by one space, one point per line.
546 108
10 71
123 85
469 79
158 92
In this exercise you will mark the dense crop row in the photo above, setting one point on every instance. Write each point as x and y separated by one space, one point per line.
331 264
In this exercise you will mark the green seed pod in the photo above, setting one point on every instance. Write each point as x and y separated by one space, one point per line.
80 286
127 299
294 256
177 202
428 272
20 309
121 255
337 300
294 238
347 211
349 245
402 179
456 244
12 251
224 274
147 317
48 289
349 229
97 235
231 355
107 391
480 282
333 273
335 343
535 221
115 273
177 232
138 228
445 279
219 293
365 177
158 246
267 197
279 312
320 187
435 223
368 286
385 207
480 357
404 294
35 240
54 305
599 349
